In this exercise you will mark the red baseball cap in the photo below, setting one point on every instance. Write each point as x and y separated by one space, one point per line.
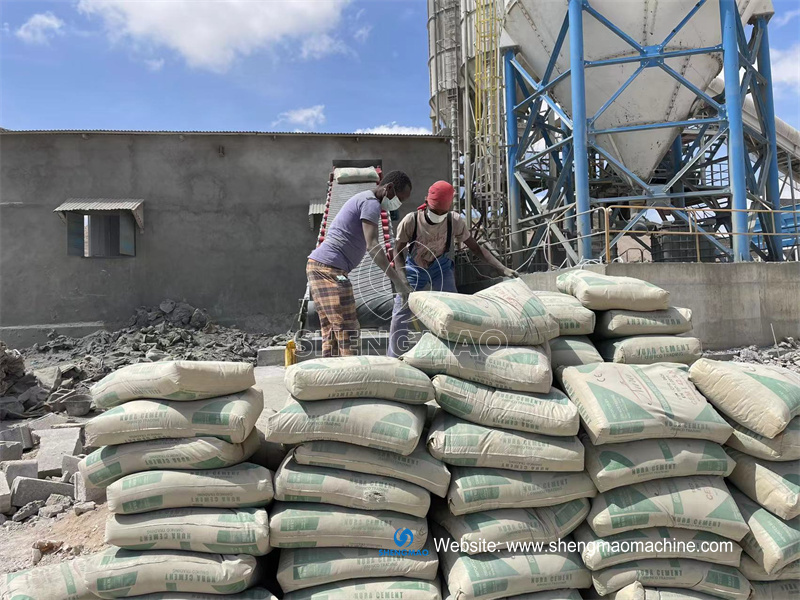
440 196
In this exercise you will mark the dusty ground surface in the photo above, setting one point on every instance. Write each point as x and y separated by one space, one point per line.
80 534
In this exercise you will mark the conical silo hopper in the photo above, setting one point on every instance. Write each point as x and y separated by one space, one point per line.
654 96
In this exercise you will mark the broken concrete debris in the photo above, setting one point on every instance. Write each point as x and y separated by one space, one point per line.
27 489
54 444
28 510
10 451
20 468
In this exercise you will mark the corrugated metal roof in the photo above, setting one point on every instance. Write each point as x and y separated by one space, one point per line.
259 133
90 204
316 208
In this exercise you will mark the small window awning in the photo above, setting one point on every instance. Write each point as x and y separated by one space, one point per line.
90 205
315 209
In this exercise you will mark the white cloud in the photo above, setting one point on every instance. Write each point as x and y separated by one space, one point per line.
786 67
781 19
393 129
154 64
322 45
302 118
212 35
40 28
362 33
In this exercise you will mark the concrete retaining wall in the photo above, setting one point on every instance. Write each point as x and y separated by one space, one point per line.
733 304
226 222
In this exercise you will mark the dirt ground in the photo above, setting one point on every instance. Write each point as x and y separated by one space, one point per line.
80 534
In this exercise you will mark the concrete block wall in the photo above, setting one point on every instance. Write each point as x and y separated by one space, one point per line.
732 304
226 222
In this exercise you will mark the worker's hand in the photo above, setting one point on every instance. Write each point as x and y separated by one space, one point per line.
510 272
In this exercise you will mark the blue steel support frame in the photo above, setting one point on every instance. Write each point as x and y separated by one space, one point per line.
512 135
577 139
729 18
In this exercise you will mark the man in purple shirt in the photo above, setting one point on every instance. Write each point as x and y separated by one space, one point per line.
353 233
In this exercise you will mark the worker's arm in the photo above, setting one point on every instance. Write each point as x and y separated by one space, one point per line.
487 256
375 249
399 257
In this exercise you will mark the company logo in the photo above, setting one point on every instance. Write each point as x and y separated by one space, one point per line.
403 538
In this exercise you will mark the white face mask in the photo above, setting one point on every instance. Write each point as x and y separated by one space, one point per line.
390 204
433 217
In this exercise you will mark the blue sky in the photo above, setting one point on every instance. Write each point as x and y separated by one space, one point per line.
282 65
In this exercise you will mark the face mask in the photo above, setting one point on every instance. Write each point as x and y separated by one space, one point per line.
433 217
390 204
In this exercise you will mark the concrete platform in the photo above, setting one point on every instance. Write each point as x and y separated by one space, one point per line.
270 381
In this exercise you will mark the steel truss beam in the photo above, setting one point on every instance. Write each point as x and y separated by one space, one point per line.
554 163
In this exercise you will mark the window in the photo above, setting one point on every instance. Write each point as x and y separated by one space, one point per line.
101 228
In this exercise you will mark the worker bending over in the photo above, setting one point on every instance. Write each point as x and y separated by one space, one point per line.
352 233
428 238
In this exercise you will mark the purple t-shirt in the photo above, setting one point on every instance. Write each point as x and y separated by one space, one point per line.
344 244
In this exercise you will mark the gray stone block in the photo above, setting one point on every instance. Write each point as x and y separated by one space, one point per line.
69 465
30 509
26 489
18 433
5 496
272 356
10 451
47 421
20 468
86 492
53 445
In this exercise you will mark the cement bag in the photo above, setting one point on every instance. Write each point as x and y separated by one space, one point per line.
548 595
356 175
63 581
763 398
306 567
238 486
772 542
109 463
458 442
665 542
303 483
606 292
419 467
778 590
230 418
701 503
215 530
477 531
506 313
773 485
623 403
504 574
550 413
523 369
572 351
476 490
374 423
636 591
573 318
784 446
716 580
755 572
615 465
649 349
172 380
117 572
358 377
624 323
309 525
251 594
371 589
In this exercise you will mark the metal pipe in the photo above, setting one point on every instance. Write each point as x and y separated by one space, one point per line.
465 133
579 129
512 139
737 154
773 195
677 156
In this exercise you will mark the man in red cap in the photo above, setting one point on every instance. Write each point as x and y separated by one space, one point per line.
427 239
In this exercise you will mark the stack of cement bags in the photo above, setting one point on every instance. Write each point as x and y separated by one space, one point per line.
762 402
510 439
664 516
187 511
635 323
354 493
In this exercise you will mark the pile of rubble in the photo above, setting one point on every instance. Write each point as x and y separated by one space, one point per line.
59 370
784 354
